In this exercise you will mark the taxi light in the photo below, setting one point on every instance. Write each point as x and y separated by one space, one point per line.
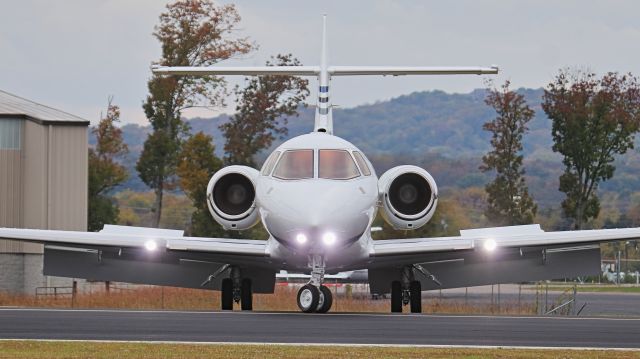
301 238
150 245
329 238
490 245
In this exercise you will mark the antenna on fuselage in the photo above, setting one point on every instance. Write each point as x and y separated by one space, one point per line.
323 117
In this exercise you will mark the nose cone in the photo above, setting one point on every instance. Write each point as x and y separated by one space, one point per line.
321 214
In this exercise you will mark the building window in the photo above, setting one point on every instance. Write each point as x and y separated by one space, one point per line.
10 134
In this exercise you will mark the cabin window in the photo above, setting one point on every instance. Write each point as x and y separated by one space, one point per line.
270 163
295 164
336 164
362 163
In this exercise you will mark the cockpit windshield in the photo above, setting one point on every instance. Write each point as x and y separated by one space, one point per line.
295 164
336 164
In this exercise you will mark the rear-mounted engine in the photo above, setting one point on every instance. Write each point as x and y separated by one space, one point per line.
409 196
231 197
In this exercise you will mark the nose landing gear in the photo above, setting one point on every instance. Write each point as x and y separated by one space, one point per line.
313 296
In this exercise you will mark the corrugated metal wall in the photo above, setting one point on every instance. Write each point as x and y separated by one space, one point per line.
11 131
47 181
68 171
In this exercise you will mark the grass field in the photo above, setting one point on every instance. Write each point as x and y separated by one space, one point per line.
43 349
284 299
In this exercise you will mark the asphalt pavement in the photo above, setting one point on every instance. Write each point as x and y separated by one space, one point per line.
262 327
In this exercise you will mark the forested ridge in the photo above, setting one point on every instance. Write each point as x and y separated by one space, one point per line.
439 131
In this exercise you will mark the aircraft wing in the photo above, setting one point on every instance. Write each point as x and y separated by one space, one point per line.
492 256
146 256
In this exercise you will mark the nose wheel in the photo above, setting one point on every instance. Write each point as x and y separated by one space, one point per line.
312 299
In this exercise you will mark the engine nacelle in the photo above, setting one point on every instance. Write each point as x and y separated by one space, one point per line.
409 197
231 197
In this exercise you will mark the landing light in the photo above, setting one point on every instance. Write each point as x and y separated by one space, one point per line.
329 238
301 238
151 245
490 245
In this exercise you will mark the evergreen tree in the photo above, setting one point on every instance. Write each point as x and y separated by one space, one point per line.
508 196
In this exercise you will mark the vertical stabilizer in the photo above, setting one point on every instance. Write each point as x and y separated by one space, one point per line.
323 119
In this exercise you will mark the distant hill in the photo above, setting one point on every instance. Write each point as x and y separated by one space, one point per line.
439 131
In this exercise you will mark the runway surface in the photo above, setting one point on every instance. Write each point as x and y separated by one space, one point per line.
319 328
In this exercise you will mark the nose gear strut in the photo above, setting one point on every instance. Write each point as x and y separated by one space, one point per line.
313 296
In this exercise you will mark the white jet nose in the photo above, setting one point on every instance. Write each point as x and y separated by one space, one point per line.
312 216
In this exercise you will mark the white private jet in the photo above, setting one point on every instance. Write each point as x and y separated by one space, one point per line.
317 196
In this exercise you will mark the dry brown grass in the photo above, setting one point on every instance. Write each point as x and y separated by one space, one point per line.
284 299
43 349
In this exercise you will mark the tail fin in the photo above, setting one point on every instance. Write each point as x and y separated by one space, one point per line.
324 116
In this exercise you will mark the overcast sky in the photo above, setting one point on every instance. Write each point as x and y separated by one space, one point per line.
73 54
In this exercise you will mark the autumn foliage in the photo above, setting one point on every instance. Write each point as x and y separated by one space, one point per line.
191 33
594 120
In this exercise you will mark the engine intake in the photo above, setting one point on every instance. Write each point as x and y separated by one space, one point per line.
409 196
231 197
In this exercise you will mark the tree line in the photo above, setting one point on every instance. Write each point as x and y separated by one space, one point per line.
594 119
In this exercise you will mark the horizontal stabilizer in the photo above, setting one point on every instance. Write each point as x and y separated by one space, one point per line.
243 71
315 70
408 70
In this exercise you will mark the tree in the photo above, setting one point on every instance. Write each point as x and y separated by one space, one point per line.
192 33
197 163
262 112
508 195
105 173
593 120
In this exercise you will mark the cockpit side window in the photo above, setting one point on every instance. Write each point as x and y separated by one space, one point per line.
270 163
295 164
362 163
336 164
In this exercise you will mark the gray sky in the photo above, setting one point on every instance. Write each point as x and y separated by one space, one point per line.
73 54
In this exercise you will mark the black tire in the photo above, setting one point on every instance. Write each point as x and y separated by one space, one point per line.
327 299
396 297
415 290
227 294
246 295
308 298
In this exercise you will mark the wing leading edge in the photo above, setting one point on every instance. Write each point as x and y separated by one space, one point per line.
150 239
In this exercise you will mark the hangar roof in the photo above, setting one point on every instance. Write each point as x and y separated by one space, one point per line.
15 106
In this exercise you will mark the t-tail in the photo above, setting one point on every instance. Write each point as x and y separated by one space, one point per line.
324 73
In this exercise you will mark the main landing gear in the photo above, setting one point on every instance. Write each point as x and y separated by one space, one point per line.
407 291
313 296
236 289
